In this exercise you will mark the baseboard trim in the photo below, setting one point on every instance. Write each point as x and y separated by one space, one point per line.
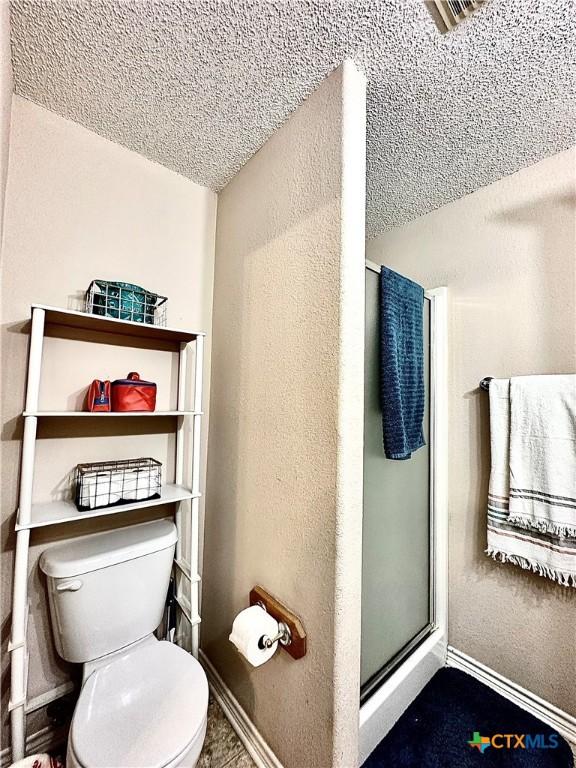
561 721
247 732
44 740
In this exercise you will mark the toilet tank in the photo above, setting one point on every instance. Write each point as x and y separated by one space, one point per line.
108 590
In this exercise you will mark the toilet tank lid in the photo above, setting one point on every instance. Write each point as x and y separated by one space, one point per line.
101 550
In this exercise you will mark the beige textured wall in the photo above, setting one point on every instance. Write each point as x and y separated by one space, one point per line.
79 207
5 100
508 256
287 342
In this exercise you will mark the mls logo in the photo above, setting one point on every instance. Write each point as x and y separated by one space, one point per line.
481 743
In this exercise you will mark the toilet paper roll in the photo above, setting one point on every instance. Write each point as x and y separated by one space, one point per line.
140 483
249 626
100 490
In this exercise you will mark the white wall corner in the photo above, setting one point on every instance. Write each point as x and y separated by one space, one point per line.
348 577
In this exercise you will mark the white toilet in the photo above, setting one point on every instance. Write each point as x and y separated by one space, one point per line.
143 702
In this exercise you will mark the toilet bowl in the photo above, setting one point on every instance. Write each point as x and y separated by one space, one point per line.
146 708
143 702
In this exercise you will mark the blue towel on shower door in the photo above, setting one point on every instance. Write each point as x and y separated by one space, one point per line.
401 364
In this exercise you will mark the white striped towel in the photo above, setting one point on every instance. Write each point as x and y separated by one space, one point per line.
532 494
543 453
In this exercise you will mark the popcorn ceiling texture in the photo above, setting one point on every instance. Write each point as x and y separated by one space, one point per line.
199 86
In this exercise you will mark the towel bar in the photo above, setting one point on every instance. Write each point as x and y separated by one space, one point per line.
485 383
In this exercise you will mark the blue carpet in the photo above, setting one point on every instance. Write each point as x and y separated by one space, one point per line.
435 730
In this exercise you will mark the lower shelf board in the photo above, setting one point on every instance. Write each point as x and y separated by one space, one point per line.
54 512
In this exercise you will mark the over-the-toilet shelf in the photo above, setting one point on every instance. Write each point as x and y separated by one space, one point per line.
184 493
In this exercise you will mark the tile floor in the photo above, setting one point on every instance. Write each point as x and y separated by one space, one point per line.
222 746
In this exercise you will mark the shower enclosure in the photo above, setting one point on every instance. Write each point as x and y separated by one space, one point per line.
404 537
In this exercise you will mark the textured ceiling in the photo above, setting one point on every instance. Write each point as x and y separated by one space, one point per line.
199 85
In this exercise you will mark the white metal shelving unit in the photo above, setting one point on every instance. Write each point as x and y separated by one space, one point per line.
31 515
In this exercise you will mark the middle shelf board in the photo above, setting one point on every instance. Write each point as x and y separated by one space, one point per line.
54 512
109 414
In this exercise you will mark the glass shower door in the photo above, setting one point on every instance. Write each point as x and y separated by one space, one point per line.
396 583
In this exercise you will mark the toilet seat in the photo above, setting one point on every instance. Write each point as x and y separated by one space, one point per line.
143 709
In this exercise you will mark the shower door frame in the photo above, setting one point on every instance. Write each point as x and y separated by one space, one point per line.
385 705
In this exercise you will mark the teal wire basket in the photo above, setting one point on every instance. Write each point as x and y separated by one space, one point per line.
125 301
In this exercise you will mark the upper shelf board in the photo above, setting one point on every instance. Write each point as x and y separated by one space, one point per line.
97 323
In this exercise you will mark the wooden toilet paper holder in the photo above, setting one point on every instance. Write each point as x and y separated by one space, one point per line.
297 645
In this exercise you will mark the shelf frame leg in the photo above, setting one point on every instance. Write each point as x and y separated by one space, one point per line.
18 647
188 447
181 404
195 504
18 640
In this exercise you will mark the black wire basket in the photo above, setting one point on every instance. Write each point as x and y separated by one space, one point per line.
125 301
111 483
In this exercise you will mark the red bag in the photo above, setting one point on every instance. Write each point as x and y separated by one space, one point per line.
98 397
132 394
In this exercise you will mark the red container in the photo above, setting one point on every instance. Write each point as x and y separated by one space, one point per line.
132 394
98 397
